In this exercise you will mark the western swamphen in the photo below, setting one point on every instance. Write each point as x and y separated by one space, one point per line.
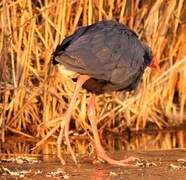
105 56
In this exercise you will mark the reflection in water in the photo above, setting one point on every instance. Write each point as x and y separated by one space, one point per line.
82 144
142 141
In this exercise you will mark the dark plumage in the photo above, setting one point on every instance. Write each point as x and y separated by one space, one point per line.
106 56
107 51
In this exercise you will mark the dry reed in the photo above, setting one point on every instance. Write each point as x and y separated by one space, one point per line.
34 97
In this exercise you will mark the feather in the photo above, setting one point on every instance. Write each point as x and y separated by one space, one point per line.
109 52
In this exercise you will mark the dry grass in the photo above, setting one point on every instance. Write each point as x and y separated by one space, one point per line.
34 97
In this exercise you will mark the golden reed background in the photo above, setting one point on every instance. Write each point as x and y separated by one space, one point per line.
34 97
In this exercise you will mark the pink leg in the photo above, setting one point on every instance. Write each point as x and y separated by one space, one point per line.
59 140
99 149
81 80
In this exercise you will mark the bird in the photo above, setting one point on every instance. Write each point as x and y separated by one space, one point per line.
102 57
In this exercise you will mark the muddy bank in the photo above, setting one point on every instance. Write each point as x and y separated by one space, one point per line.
153 165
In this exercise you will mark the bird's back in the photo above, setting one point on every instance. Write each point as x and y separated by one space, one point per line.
109 52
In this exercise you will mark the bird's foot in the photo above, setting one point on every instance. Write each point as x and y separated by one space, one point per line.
124 162
65 132
59 140
70 148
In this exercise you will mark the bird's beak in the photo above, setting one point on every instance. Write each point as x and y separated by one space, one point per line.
154 64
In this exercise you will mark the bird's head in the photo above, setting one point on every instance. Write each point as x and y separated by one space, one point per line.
150 59
154 64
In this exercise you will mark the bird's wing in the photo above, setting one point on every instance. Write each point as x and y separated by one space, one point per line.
89 54
104 52
131 62
69 40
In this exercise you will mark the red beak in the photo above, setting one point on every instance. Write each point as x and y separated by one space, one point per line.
154 64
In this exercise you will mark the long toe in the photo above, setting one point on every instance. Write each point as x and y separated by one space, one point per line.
130 159
124 162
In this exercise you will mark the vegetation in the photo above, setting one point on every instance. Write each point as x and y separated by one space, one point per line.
34 96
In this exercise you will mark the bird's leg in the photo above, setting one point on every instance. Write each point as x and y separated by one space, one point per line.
59 140
99 149
81 80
